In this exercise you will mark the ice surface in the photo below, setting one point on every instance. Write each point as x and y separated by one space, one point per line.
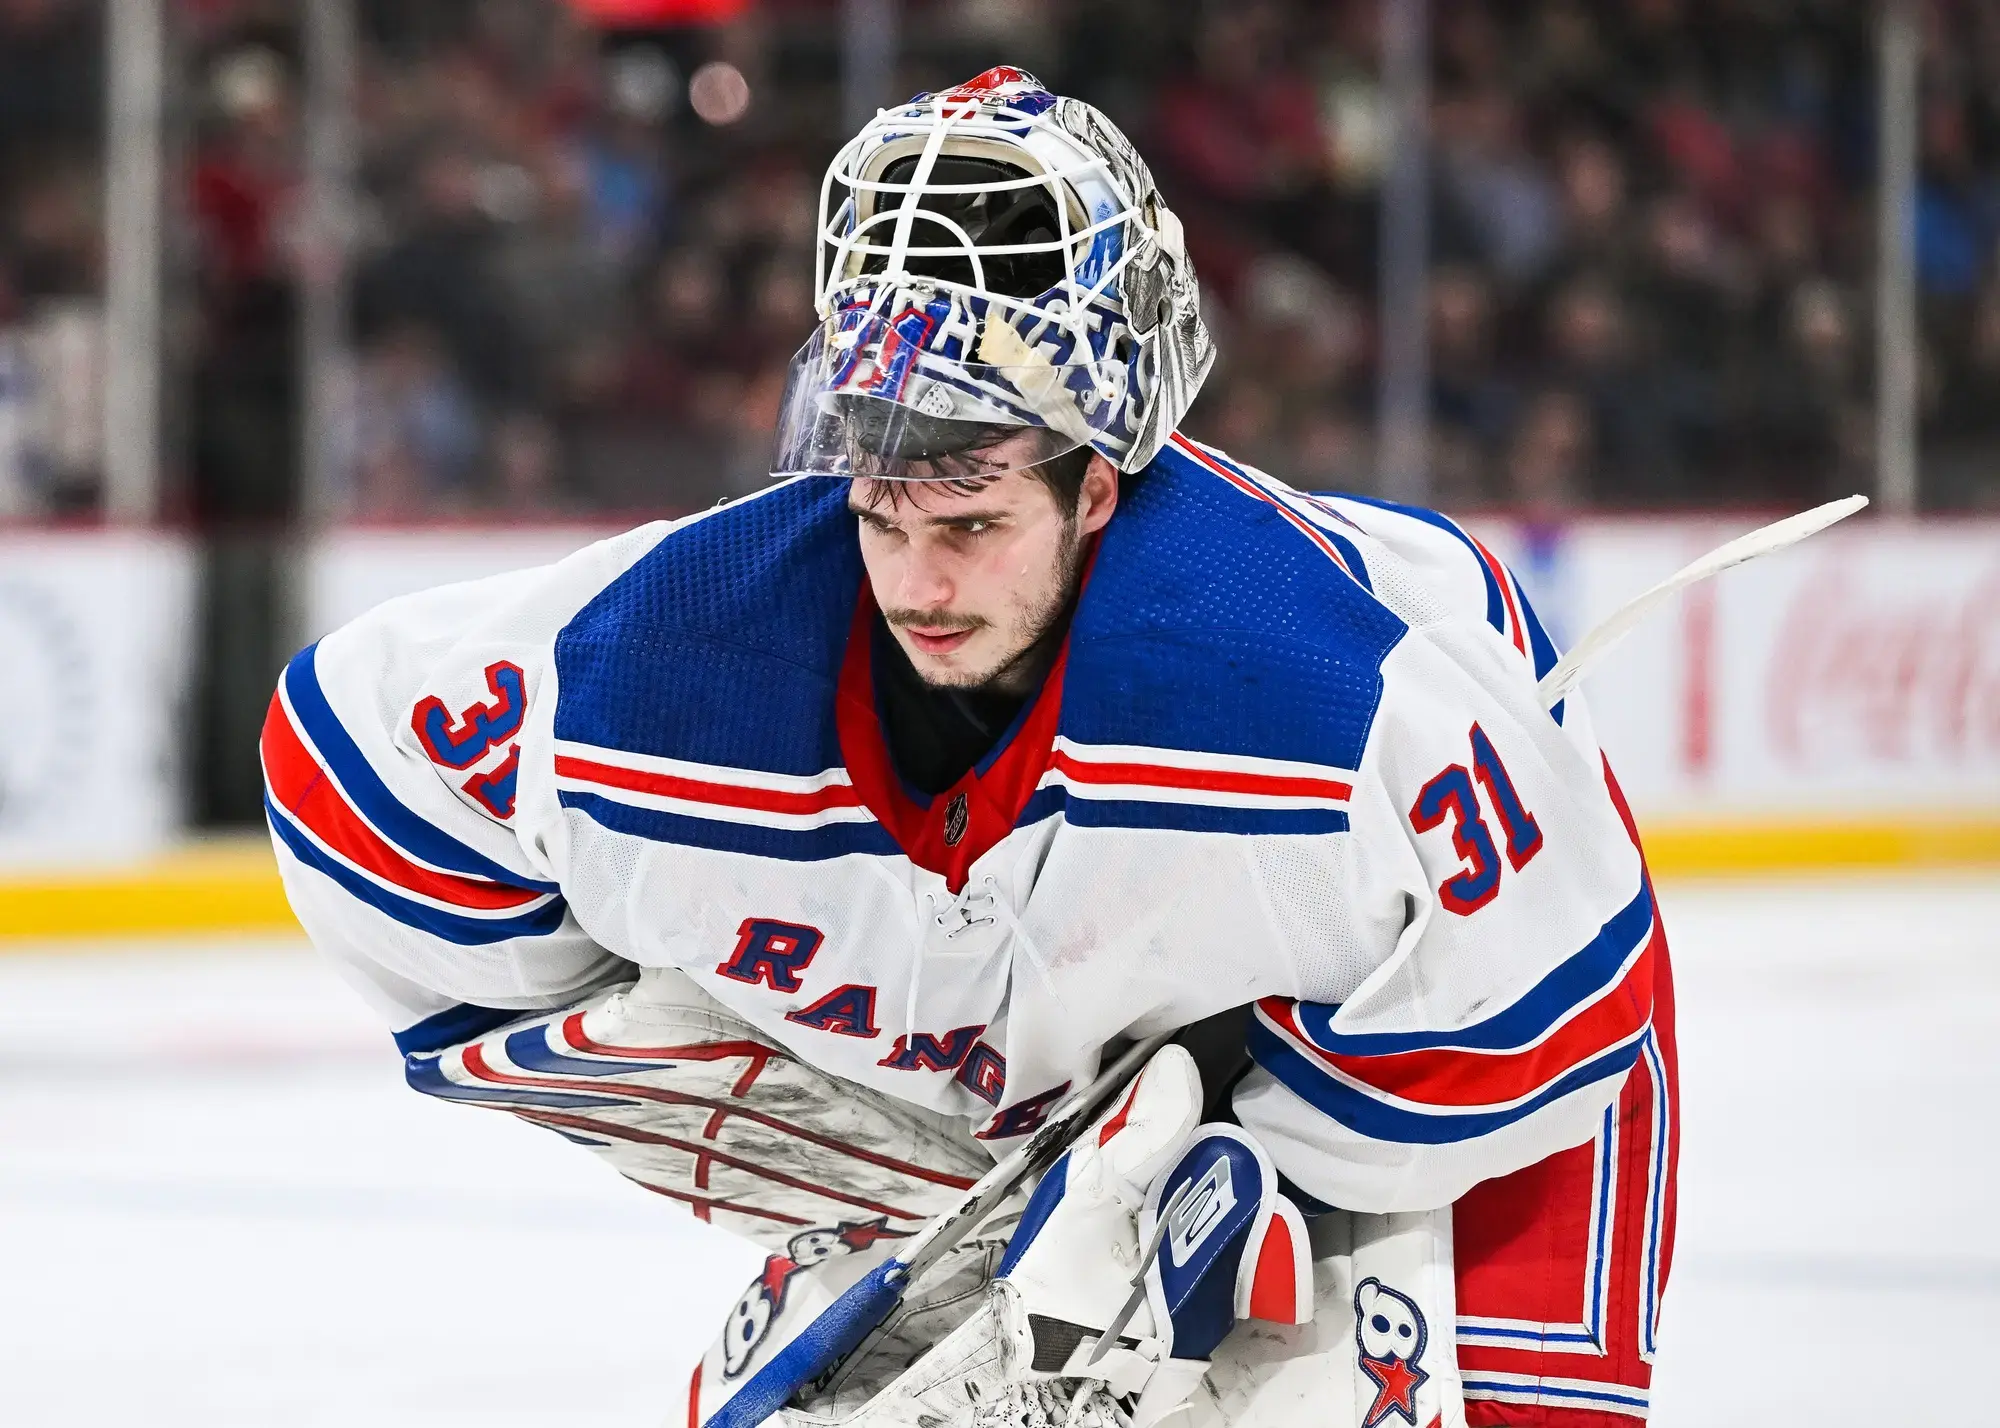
219 1206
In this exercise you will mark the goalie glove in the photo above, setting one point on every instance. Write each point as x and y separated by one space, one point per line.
1158 1235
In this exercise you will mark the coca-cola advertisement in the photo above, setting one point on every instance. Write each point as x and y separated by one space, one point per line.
1855 676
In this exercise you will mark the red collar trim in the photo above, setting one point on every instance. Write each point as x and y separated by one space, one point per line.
992 799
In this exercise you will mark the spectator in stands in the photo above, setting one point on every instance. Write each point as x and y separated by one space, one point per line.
440 274
526 463
1473 399
1550 457
1804 421
1592 352
416 426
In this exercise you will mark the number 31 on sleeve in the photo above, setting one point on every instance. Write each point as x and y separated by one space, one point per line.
1453 795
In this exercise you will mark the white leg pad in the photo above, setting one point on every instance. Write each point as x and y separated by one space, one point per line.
1380 1352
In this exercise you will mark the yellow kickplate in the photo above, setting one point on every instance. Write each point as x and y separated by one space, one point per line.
1778 846
226 886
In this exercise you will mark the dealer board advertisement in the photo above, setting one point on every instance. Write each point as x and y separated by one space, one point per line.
1856 674
96 645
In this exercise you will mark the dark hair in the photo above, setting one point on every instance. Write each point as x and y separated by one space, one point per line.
1063 475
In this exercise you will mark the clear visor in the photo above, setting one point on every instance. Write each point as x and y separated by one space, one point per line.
871 397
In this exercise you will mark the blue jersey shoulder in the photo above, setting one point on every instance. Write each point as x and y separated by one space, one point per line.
1215 620
723 644
1219 619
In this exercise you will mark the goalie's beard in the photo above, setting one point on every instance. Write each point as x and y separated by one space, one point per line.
1041 626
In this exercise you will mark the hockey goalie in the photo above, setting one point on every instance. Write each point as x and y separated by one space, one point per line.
803 857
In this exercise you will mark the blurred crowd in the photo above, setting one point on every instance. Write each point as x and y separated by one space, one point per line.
51 256
582 259
1652 240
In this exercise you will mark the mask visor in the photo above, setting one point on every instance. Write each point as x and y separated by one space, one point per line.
875 397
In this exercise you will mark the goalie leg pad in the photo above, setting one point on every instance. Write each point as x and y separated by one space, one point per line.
1378 1351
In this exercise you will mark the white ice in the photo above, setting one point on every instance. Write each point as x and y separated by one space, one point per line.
219 1206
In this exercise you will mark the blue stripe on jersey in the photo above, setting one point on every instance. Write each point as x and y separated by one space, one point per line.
1539 644
407 829
1183 817
1579 978
463 1022
426 1073
1386 1121
463 931
1496 604
796 845
1616 1397
1351 553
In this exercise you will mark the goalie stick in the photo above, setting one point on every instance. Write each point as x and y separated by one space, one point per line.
843 1324
1620 623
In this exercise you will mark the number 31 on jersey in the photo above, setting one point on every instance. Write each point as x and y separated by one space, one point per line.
1453 796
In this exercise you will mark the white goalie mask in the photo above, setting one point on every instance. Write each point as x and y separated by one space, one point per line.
998 284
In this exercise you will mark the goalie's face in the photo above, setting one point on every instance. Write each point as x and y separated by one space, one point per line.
972 575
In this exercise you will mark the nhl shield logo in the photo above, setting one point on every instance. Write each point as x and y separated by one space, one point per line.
1389 1339
956 816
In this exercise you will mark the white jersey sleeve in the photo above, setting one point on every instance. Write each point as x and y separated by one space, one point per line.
394 754
1491 854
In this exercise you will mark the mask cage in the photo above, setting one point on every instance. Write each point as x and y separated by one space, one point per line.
982 197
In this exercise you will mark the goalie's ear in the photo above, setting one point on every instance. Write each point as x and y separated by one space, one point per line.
1234 1246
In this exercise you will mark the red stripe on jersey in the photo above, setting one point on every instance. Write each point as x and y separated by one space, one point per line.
728 795
1499 573
1204 780
1455 1078
302 788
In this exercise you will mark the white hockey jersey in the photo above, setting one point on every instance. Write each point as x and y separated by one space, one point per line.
1291 755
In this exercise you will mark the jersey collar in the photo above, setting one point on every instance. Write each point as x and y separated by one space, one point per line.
949 833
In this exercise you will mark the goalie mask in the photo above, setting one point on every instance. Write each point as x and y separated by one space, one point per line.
999 284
